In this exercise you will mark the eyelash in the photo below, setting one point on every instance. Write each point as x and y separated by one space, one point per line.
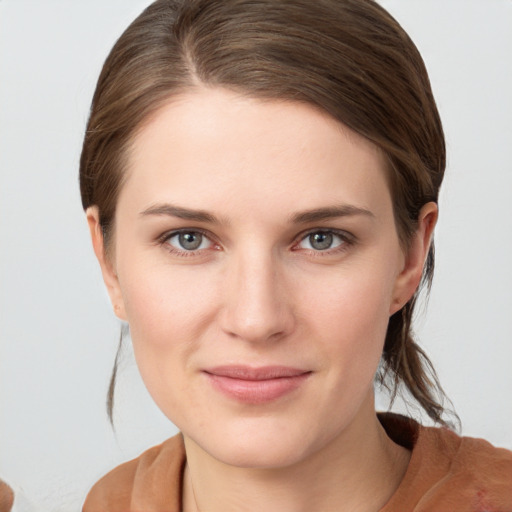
347 240
164 241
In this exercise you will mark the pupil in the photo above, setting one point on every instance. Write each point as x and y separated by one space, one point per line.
190 241
320 241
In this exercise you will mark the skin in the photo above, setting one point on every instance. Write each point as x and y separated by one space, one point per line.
257 292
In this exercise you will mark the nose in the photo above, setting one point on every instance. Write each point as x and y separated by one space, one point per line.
257 304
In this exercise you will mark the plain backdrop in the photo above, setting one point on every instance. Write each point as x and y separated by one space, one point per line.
57 332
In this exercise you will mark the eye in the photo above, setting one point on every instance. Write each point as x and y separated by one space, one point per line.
187 241
322 241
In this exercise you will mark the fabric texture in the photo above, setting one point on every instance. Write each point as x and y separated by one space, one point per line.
446 473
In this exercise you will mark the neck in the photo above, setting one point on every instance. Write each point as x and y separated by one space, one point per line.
357 471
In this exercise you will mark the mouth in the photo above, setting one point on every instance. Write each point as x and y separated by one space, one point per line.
256 385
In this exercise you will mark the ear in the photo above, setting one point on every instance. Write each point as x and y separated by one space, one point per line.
107 267
409 277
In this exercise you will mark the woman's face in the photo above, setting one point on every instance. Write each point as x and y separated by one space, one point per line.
257 262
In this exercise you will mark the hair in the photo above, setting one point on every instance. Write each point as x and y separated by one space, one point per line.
349 58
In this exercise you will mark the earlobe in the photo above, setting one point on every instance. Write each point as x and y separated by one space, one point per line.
409 278
107 268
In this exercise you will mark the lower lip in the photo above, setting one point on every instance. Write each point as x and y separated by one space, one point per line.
256 391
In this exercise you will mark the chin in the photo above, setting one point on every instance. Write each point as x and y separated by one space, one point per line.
258 455
263 444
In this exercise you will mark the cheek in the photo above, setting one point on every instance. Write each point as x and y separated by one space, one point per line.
351 298
350 313
164 304
168 311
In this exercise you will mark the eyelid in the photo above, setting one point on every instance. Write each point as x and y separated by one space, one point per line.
348 239
165 237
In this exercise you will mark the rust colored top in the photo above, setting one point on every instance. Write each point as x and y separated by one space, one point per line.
446 473
6 497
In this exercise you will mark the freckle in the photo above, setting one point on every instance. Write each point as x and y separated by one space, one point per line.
482 494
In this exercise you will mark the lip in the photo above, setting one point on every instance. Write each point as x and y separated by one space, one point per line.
256 385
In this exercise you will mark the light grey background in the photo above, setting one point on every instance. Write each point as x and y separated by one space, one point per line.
57 332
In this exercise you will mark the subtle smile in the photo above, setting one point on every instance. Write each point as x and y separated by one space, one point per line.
256 385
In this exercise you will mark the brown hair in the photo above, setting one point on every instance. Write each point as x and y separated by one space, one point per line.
350 58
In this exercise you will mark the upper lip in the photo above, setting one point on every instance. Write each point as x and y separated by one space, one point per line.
252 373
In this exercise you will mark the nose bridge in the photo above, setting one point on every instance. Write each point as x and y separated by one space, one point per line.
257 307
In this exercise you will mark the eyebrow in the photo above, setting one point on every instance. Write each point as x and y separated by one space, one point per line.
181 213
304 217
330 212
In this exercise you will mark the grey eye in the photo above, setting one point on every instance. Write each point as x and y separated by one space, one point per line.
189 241
321 241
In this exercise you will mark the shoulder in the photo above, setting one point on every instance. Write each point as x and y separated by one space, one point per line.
479 474
152 481
450 472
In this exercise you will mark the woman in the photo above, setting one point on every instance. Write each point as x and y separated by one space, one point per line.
261 184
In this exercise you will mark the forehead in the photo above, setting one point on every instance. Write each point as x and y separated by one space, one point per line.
220 147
